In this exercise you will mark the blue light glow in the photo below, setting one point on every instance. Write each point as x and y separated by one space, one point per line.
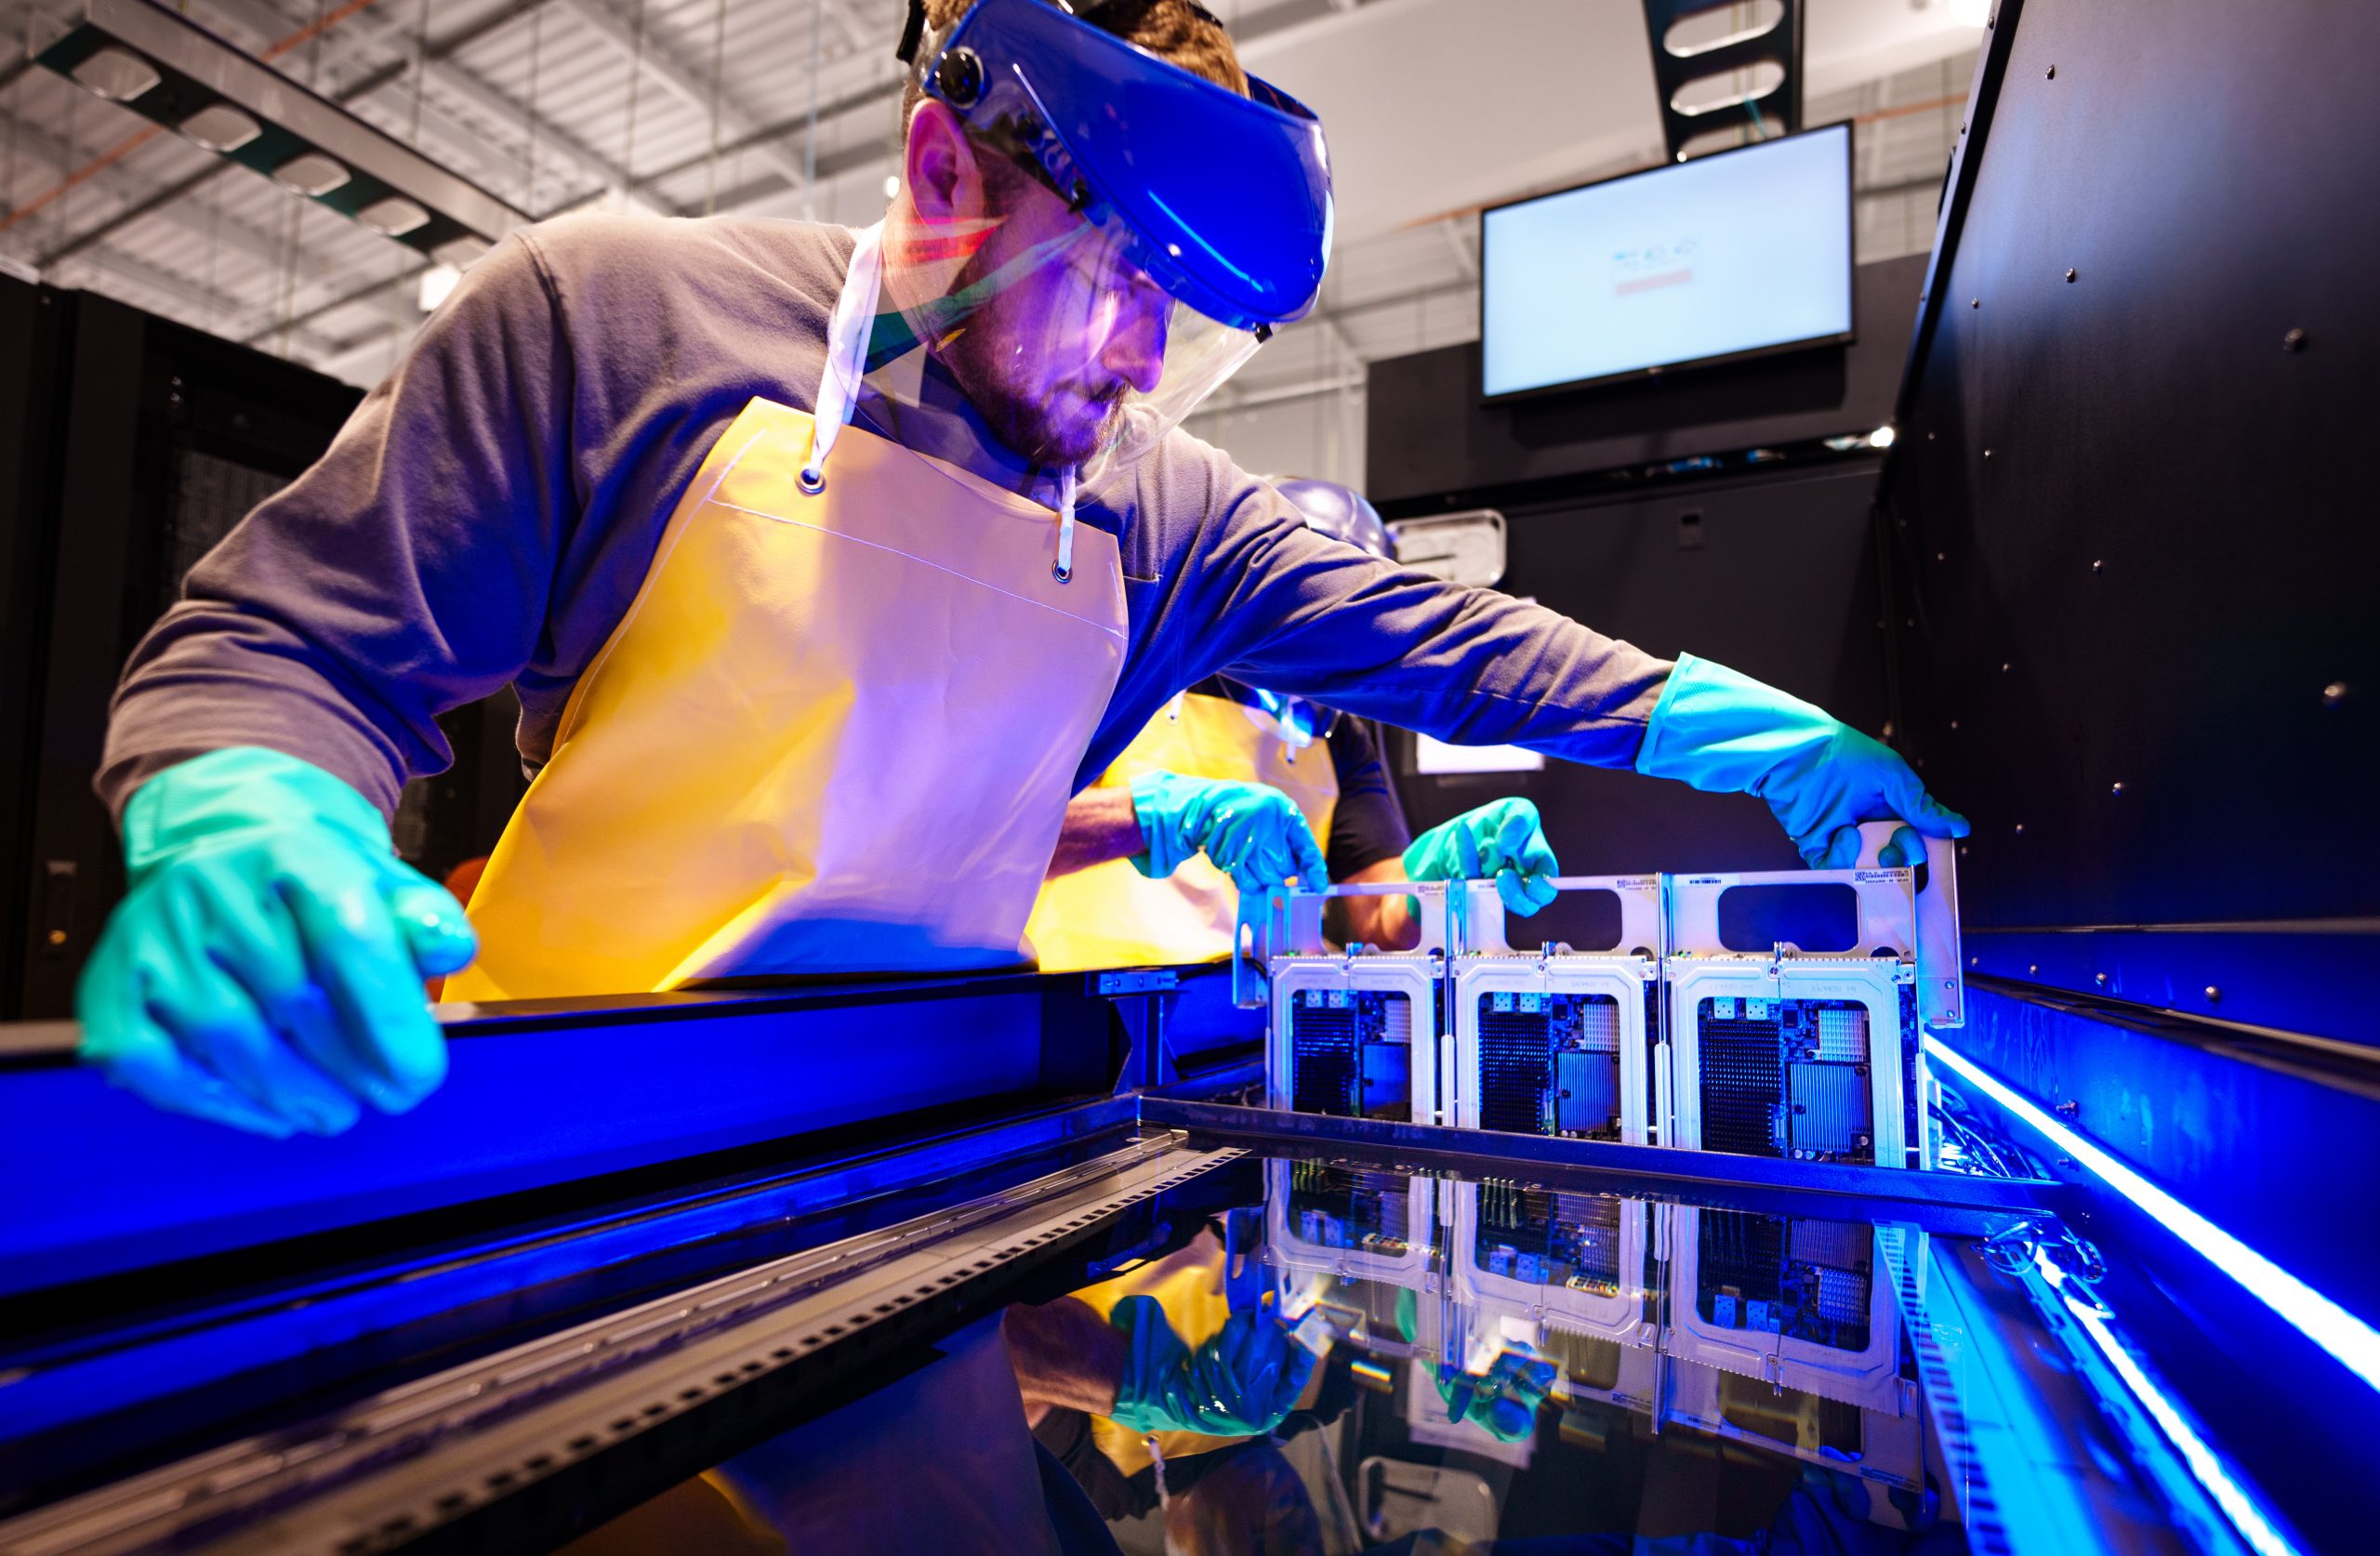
2354 1343
2205 1466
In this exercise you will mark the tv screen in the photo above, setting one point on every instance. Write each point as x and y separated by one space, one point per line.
1728 256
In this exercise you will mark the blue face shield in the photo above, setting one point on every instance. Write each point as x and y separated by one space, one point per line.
1206 215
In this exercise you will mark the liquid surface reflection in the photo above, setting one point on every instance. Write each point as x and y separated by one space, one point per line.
1373 1359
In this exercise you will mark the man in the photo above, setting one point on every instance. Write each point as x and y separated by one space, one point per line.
1227 791
825 565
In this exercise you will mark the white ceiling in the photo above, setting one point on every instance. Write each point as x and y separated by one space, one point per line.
1434 106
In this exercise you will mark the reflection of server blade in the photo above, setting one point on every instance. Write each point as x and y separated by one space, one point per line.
1575 1263
1800 1303
1360 1223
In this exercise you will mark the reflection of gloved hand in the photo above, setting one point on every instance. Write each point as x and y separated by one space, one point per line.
1241 1382
265 967
1254 833
1503 840
1505 1400
1729 733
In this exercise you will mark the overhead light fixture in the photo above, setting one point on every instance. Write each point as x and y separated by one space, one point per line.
219 127
392 218
1882 437
176 73
461 252
117 74
310 173
436 284
1971 13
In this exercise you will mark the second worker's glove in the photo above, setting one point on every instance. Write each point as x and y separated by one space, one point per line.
1502 840
264 969
1252 831
1728 734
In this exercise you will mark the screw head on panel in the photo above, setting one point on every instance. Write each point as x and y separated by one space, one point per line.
2117 790
2069 1108
1975 302
2212 994
2100 978
2069 274
2098 566
2294 341
2050 75
2003 666
2334 694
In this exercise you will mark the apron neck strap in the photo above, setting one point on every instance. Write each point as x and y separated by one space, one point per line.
847 333
1064 567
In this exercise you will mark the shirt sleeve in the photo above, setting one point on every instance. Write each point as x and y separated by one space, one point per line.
407 573
1279 606
1367 825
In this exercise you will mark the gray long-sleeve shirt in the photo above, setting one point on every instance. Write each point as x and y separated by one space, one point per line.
487 514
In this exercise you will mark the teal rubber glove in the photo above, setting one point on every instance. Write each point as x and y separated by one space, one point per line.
1728 734
1503 840
1505 1401
1252 831
265 968
1240 1383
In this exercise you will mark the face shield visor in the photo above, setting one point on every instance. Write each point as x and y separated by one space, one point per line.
1142 231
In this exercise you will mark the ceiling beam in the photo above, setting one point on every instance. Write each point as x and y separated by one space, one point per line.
661 60
215 167
371 30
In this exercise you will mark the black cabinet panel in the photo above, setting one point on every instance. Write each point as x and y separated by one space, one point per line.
2132 498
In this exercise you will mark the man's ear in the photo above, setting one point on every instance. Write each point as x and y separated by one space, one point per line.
944 183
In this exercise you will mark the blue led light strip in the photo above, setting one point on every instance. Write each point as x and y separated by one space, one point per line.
2204 1463
2354 1343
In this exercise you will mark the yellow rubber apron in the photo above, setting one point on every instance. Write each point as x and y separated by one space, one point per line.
1112 916
835 732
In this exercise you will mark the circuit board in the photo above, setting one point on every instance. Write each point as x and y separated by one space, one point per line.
1350 1054
1334 1206
1786 1078
1805 1280
1548 1063
1545 1237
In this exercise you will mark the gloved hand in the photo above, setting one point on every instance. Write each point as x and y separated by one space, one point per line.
1252 831
1505 1400
265 968
1729 733
1503 839
1243 1382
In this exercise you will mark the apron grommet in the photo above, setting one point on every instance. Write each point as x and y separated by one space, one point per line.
1063 575
810 479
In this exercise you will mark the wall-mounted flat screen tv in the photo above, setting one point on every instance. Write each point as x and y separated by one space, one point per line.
1729 255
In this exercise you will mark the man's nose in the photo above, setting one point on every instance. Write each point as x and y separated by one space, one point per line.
1136 348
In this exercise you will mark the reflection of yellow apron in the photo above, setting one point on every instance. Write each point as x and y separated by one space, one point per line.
1112 916
1188 1283
835 732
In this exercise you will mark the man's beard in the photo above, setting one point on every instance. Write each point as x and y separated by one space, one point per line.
1019 415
